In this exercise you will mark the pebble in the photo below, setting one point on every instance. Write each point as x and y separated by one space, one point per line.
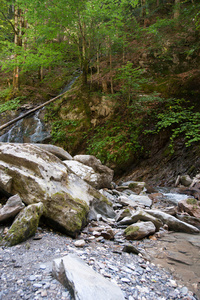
79 243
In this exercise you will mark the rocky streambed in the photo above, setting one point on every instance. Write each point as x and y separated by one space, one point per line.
120 232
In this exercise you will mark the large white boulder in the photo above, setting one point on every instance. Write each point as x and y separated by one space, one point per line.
85 172
105 174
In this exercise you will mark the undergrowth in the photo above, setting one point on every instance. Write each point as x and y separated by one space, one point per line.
10 105
183 121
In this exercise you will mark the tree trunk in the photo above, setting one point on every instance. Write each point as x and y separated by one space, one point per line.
143 5
16 68
111 76
177 9
40 73
98 64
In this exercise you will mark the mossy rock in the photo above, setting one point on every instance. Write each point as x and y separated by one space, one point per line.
66 214
24 226
131 229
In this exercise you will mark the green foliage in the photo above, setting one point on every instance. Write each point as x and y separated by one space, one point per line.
10 105
191 201
5 93
62 129
181 121
116 141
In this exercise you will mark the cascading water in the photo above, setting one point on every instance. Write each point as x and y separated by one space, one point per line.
30 129
171 196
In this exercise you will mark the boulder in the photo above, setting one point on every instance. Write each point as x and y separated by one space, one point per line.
105 173
25 225
185 180
57 151
5 181
190 206
135 186
189 219
139 230
12 207
141 215
142 200
173 223
123 213
85 172
103 208
82 281
127 201
38 175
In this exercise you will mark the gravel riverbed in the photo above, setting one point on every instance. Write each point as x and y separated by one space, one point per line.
25 269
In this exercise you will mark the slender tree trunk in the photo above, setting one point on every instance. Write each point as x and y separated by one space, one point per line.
98 64
177 9
143 5
40 73
16 68
111 76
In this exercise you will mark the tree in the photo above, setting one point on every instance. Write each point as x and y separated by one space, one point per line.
131 79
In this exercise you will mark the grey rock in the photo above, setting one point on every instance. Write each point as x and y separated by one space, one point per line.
86 173
5 180
144 200
173 223
82 281
185 180
103 208
123 213
79 243
141 215
55 150
12 207
189 219
139 230
127 201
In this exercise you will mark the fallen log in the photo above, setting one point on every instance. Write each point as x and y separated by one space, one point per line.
30 111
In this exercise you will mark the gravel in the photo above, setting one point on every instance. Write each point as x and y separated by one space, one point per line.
25 269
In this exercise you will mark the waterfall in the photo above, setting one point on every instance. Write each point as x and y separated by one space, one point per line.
28 130
31 129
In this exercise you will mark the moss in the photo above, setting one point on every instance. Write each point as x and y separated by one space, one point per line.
99 196
24 226
191 201
127 210
131 229
133 185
